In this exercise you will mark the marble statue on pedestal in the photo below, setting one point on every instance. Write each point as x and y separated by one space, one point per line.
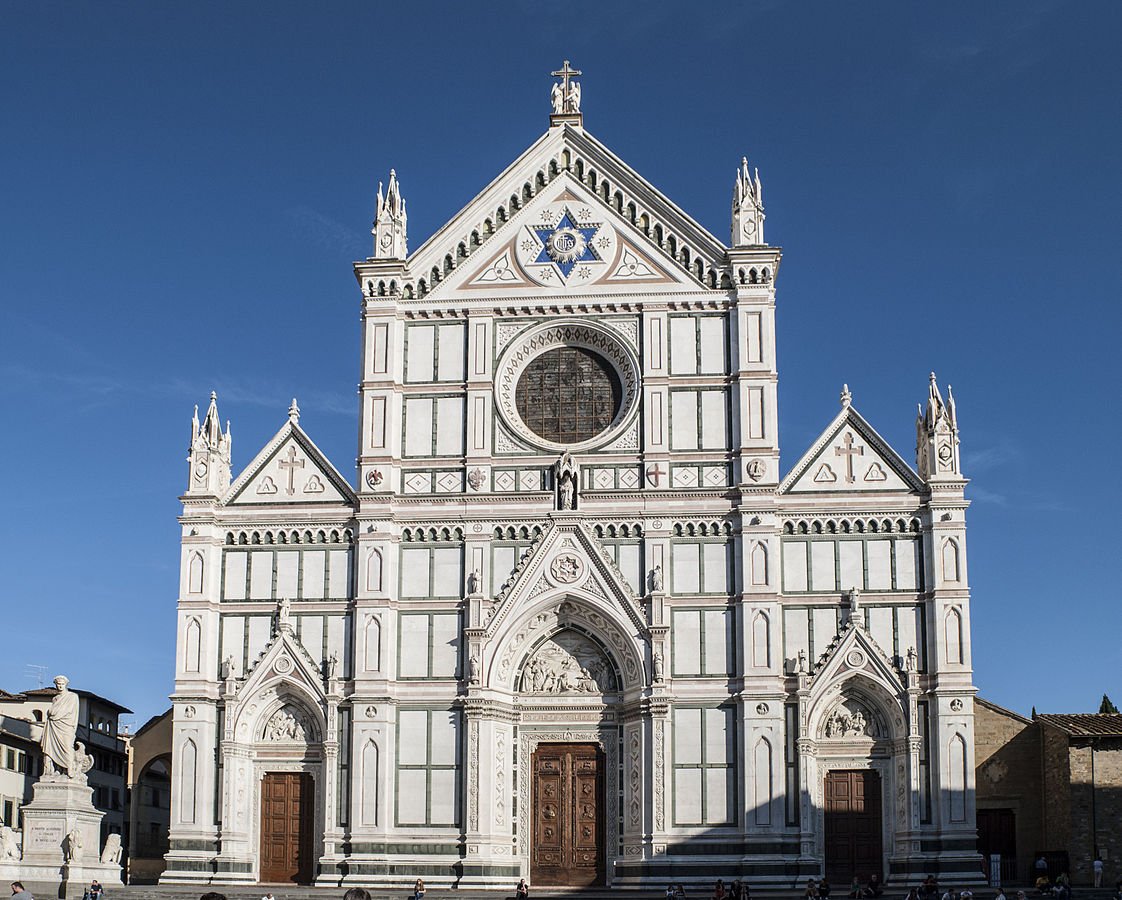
60 731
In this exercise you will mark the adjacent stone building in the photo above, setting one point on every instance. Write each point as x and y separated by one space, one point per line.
149 799
573 621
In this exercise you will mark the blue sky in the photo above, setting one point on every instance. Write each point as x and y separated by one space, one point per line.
184 186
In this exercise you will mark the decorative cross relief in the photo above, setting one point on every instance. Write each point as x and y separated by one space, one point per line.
291 463
568 663
848 452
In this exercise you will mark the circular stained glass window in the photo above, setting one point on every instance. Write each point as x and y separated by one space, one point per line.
568 395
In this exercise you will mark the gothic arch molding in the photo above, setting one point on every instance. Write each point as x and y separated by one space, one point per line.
508 649
253 715
887 706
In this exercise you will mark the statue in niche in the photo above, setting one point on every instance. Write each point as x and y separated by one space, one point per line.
332 666
473 669
228 668
474 582
565 472
802 661
286 725
658 667
656 580
568 663
911 661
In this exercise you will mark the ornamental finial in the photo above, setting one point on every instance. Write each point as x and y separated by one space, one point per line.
846 396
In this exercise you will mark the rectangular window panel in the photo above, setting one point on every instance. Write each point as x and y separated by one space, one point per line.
233 632
714 430
414 572
418 426
412 734
823 576
414 662
450 426
880 565
502 564
445 737
311 635
852 564
446 577
717 637
880 626
796 634
687 796
717 789
906 564
260 629
687 642
377 421
234 584
451 361
683 420
756 413
718 736
685 560
314 563
261 575
627 559
716 566
288 564
380 342
683 346
443 798
687 736
412 796
794 565
906 629
340 574
420 341
825 623
712 329
752 338
445 645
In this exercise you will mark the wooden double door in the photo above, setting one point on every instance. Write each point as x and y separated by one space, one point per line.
568 815
287 827
853 826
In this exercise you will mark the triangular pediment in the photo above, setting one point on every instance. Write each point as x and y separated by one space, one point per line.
566 239
284 657
850 457
566 557
654 234
290 469
852 652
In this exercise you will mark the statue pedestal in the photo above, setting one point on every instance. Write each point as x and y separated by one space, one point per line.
58 806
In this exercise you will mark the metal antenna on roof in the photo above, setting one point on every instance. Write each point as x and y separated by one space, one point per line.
37 672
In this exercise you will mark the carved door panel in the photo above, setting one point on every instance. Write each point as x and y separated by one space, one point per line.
853 826
287 818
567 843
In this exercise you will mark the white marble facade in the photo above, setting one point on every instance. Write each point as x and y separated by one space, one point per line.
616 559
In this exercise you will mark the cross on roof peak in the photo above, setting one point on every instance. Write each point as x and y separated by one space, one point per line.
565 97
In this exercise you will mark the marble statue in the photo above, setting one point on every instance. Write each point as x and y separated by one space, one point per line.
474 582
473 670
802 661
658 667
567 491
60 730
285 725
912 660
656 579
9 847
284 613
557 98
74 845
111 855
228 668
332 665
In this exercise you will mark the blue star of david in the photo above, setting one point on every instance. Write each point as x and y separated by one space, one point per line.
567 243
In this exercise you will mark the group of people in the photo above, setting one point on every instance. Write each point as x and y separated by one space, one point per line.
94 892
737 890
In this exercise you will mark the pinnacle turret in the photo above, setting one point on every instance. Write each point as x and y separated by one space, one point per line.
390 240
747 207
209 454
937 454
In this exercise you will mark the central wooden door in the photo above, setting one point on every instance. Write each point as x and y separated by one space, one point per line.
853 826
568 811
287 822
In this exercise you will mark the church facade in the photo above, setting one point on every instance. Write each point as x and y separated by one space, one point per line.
572 622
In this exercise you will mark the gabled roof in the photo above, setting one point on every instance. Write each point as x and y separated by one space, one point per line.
270 476
1001 710
547 156
1085 724
47 693
861 454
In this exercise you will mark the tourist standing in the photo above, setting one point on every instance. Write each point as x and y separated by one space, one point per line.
1097 869
522 891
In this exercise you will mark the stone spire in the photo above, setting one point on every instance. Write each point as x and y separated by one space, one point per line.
209 454
389 222
937 454
747 207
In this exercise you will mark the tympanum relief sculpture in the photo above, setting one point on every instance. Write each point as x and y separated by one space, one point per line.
568 663
850 719
286 726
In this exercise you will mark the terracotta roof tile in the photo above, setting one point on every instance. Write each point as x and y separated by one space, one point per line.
1085 724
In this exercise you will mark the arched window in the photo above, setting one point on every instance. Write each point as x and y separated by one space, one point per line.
192 642
764 782
951 571
761 641
195 574
953 631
